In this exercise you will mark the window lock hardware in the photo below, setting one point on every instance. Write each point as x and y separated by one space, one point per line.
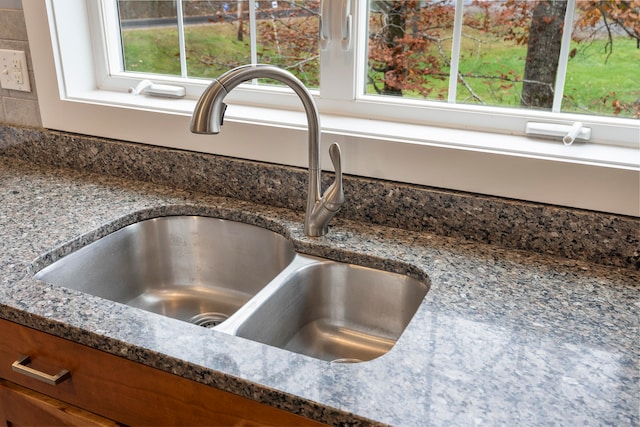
325 28
328 14
147 87
568 133
346 24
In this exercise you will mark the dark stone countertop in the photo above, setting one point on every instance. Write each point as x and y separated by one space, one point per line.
503 337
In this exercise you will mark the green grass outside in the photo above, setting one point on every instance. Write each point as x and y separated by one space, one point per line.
590 78
593 81
211 50
592 85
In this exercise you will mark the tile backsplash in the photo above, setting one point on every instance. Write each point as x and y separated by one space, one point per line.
556 231
16 107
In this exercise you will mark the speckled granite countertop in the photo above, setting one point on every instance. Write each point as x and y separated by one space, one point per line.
504 337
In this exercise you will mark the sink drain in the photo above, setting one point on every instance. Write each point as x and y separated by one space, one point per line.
208 320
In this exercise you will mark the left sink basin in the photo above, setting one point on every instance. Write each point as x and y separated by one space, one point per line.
192 268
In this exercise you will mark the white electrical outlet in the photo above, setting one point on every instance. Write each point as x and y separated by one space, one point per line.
13 70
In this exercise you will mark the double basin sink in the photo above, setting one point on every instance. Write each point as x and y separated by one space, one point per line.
245 281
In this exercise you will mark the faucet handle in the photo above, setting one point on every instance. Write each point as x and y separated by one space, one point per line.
336 158
333 198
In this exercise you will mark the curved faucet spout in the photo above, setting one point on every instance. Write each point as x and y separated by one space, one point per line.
209 113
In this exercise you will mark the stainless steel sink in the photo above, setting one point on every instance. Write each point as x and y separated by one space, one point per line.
246 281
191 268
336 312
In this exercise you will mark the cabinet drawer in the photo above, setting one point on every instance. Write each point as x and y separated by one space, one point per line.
126 391
20 406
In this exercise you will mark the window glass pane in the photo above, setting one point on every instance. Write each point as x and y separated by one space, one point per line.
509 53
149 30
493 54
288 37
217 36
603 72
410 51
409 48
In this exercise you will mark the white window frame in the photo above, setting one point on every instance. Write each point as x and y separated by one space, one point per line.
76 94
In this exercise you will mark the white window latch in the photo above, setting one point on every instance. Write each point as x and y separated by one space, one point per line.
568 133
147 87
330 13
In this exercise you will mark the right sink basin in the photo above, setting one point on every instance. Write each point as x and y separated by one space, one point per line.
335 312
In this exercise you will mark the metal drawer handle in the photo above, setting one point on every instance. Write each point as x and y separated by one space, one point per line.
20 366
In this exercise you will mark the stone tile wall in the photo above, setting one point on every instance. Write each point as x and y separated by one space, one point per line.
16 107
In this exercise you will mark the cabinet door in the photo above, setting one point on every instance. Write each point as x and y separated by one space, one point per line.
20 406
126 391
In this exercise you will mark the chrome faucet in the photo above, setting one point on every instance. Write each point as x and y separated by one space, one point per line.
208 115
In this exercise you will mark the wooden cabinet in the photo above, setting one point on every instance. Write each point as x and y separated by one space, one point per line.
20 406
115 388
